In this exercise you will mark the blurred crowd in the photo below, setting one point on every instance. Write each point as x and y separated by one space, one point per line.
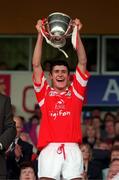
100 146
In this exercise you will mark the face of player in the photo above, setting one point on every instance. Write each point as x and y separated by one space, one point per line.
59 77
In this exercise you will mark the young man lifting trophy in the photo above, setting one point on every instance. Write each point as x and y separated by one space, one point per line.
61 104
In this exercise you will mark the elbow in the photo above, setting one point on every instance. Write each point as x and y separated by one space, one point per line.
35 64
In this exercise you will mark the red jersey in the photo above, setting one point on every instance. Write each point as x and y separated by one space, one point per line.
61 113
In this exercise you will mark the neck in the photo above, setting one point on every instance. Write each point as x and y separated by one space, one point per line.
58 90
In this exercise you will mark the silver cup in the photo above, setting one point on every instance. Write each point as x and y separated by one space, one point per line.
58 27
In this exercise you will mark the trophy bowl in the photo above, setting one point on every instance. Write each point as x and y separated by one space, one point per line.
58 27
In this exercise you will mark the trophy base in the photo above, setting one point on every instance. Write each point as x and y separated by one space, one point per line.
58 42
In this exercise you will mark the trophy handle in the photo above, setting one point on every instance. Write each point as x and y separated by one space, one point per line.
69 29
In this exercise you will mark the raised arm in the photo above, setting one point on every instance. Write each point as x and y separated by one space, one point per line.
82 59
36 61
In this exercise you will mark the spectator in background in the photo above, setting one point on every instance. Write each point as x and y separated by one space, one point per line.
103 145
90 135
101 153
87 117
25 137
115 141
96 112
32 127
109 116
86 120
114 154
34 120
27 171
109 127
18 152
92 167
113 173
96 121
116 128
7 131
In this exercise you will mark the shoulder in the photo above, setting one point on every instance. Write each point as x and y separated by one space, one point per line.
85 75
4 97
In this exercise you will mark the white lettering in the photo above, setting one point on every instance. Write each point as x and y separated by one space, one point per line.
112 88
59 113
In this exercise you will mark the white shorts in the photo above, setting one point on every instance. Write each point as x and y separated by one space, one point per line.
60 159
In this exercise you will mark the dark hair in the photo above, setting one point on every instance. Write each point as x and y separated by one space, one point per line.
115 148
26 164
60 63
115 139
115 159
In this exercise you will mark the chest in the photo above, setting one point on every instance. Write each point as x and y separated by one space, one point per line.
58 101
